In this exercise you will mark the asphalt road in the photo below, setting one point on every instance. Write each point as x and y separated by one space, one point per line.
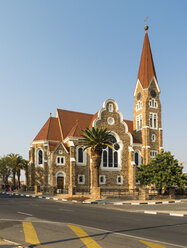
62 224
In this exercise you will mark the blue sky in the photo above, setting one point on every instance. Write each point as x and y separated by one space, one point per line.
75 54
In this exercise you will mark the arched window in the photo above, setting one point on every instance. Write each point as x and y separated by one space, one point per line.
137 158
80 155
110 156
39 157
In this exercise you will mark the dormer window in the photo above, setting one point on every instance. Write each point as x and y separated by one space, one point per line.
139 105
153 103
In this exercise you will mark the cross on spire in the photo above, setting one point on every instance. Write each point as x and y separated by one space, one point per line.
146 26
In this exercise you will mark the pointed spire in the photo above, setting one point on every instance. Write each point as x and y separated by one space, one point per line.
146 69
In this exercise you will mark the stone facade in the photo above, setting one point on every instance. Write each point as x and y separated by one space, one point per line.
58 160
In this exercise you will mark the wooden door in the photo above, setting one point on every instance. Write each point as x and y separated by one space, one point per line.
60 182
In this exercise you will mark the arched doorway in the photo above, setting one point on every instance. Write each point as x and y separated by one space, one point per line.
60 180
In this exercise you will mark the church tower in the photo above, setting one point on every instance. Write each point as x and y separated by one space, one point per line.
147 126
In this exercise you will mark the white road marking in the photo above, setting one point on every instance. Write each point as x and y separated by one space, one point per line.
165 202
135 203
24 213
178 215
149 212
151 203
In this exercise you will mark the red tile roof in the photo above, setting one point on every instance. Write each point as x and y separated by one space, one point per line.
130 125
53 145
146 69
76 130
71 124
68 120
50 130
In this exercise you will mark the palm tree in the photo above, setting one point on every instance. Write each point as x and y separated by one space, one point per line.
96 139
5 170
15 164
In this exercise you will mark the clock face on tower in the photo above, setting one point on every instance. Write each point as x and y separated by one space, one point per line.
153 93
139 96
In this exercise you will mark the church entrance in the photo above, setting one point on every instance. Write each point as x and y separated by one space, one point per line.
60 182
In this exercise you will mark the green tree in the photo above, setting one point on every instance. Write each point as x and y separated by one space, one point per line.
5 170
16 165
164 172
96 139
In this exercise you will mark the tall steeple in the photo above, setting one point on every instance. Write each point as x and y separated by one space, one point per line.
146 69
147 107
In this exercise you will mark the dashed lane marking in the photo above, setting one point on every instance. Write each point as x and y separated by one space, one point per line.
30 233
84 237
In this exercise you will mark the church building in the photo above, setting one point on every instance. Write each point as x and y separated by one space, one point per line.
57 158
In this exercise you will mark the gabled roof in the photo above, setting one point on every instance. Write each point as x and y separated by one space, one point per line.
146 69
76 130
68 119
53 145
71 123
50 131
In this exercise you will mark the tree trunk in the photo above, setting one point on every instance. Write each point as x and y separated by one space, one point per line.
27 177
18 175
96 161
14 178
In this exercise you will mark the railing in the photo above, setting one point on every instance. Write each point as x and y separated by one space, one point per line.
119 192
82 191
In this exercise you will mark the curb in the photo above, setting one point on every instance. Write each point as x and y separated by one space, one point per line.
171 214
92 202
146 203
37 196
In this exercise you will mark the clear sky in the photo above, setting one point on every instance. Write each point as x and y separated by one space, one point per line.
75 54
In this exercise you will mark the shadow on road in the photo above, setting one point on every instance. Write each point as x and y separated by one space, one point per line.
103 235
